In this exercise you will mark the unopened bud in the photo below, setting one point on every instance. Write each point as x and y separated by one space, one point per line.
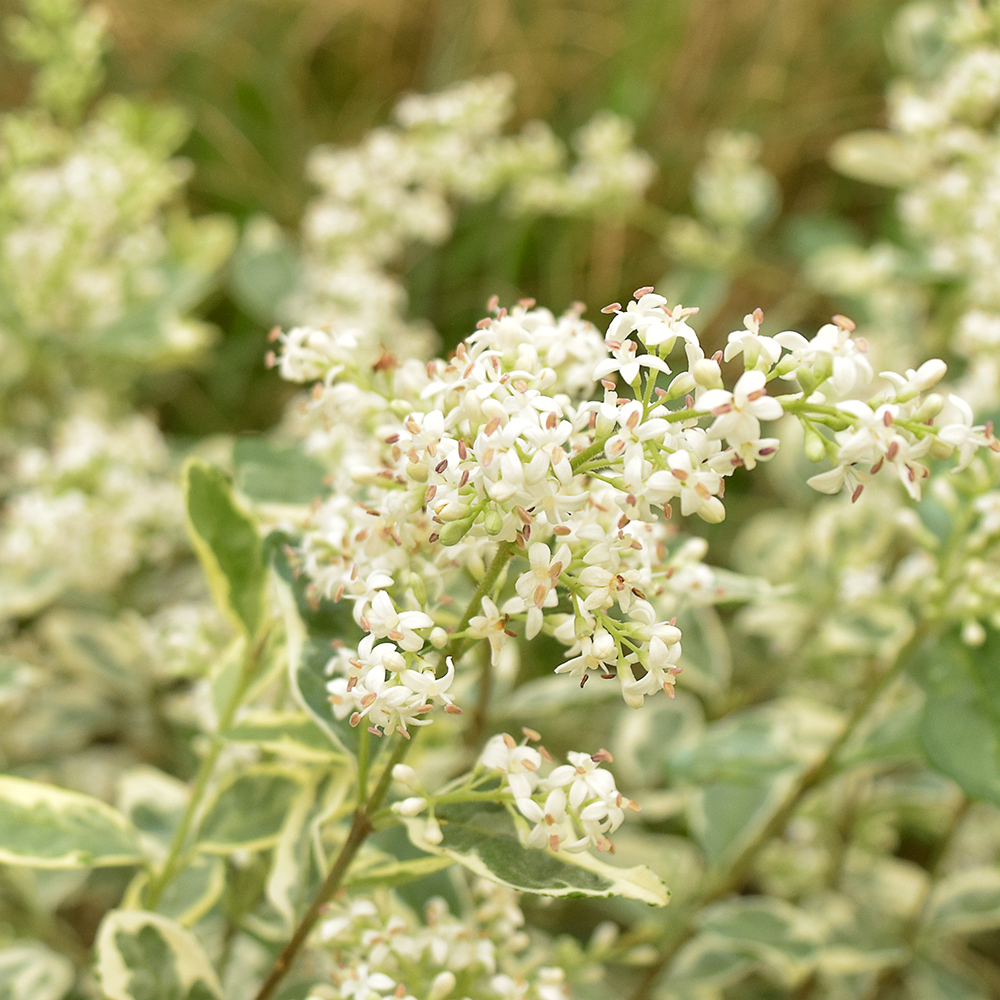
681 386
707 373
410 807
454 512
493 522
405 775
438 638
442 985
814 444
455 531
931 406
432 832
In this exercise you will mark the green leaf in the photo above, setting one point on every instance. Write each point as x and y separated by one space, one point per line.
482 837
189 895
878 157
965 902
395 873
97 647
959 729
770 929
271 474
707 961
153 802
930 979
145 956
30 971
292 865
743 767
228 545
291 734
249 810
264 269
310 628
47 827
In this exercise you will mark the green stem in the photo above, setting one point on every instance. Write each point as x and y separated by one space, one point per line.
361 828
363 823
175 853
459 644
364 738
591 451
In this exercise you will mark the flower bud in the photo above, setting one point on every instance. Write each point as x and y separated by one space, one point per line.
454 512
814 445
681 386
493 522
707 373
438 638
455 531
417 471
929 408
410 807
405 775
432 832
442 985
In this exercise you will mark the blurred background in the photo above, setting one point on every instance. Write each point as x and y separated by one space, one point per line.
264 81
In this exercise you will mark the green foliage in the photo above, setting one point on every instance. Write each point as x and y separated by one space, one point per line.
483 838
30 971
143 956
248 811
960 726
47 827
228 545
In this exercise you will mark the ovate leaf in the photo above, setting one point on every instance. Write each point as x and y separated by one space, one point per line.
47 827
482 837
743 766
154 803
310 628
228 545
145 956
30 971
965 902
773 931
959 729
291 734
249 810
393 873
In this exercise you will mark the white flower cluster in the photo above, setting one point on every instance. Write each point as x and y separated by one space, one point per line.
733 195
93 508
501 452
388 684
943 151
573 808
384 952
88 265
446 147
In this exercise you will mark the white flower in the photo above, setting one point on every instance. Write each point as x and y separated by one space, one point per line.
654 324
698 487
831 354
383 621
536 587
758 352
585 778
490 625
625 360
957 431
517 762
737 413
